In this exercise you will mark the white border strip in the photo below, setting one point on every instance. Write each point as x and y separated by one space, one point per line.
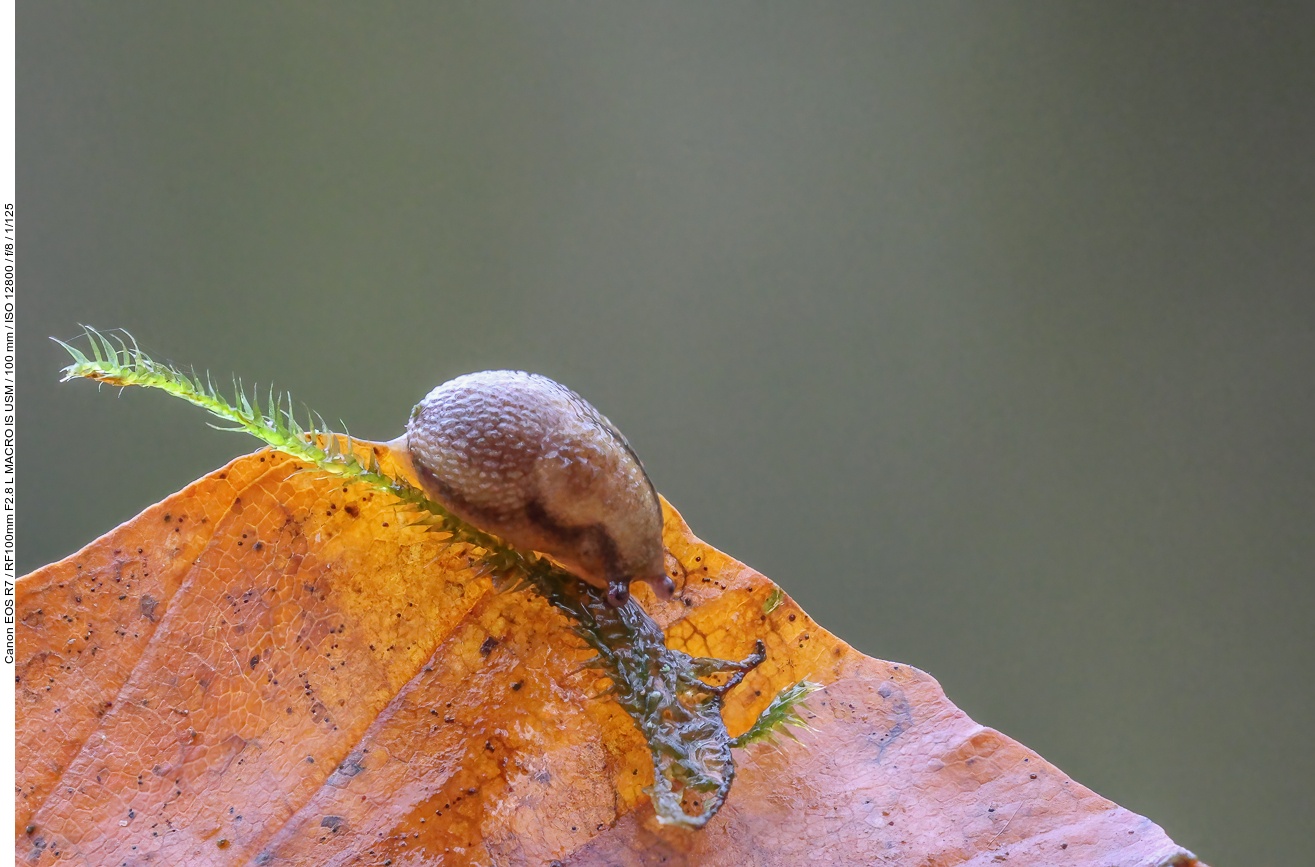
8 403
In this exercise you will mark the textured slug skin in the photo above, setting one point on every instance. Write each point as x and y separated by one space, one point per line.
525 458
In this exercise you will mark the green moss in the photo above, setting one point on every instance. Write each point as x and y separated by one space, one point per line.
780 716
663 690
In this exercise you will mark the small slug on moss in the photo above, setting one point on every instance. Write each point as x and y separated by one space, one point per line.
527 459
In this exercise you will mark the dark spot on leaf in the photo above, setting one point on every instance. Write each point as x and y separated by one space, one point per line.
487 647
350 767
147 607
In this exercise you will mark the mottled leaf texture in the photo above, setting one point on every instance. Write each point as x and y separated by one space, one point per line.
274 668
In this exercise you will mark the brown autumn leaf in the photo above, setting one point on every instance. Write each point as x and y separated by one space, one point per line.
273 668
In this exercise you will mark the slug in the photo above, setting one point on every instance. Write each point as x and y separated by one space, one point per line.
527 459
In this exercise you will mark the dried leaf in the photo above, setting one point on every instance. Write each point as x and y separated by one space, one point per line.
275 667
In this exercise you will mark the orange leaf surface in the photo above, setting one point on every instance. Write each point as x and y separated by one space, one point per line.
273 668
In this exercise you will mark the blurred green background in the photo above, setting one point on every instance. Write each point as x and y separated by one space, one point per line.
987 330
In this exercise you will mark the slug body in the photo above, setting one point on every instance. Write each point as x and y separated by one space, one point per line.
527 459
